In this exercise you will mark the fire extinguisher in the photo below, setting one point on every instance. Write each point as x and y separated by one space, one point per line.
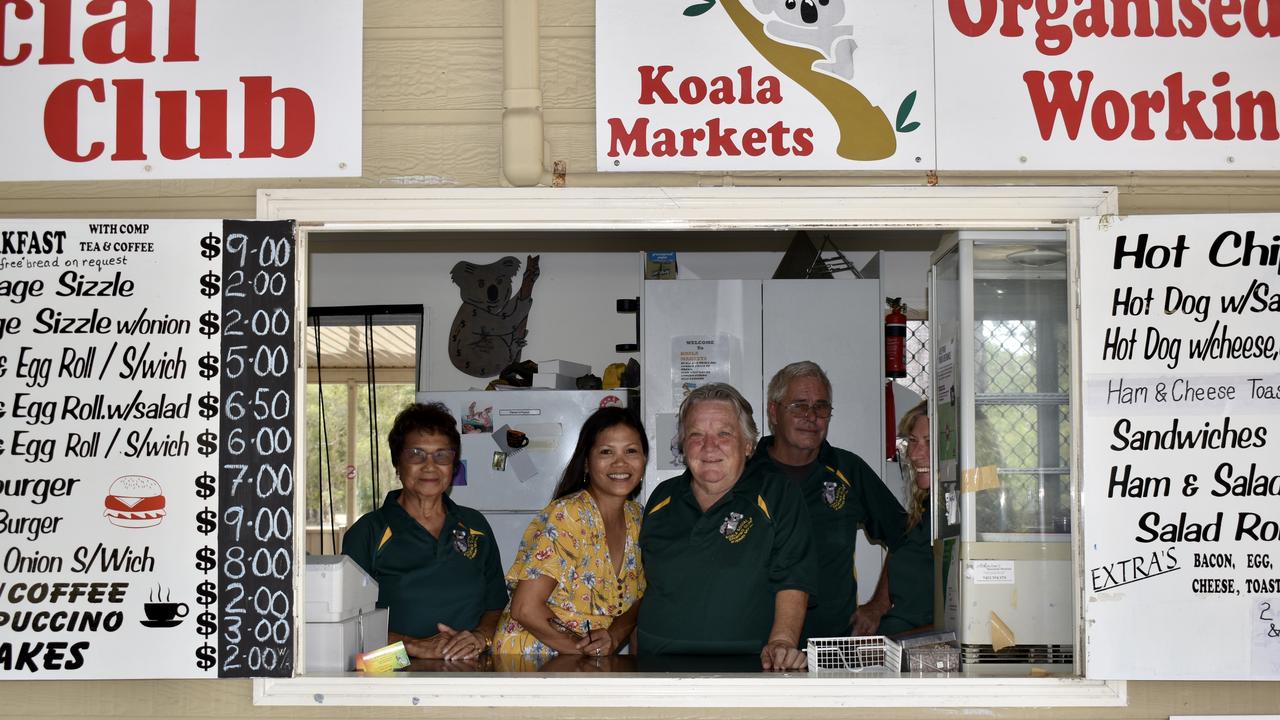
895 339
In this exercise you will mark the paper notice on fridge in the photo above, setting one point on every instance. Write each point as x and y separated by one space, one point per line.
697 360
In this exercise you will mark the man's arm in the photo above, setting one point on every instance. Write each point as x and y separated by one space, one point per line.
866 619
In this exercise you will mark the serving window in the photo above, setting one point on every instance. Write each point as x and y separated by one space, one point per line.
427 224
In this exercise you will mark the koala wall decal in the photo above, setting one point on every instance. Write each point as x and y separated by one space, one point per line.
489 331
813 24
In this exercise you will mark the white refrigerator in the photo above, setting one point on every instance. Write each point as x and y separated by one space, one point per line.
511 485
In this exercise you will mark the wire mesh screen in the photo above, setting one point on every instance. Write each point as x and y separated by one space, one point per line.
1022 371
917 357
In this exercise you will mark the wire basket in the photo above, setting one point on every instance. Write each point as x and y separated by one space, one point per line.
855 654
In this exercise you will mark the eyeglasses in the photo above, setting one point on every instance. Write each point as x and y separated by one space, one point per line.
821 409
418 456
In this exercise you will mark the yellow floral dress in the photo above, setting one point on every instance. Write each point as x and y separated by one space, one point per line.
566 542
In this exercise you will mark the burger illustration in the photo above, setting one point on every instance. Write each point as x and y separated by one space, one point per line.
134 501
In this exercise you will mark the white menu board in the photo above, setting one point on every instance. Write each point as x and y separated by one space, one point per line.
1180 352
129 357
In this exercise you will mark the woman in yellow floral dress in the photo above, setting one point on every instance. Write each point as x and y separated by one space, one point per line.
577 579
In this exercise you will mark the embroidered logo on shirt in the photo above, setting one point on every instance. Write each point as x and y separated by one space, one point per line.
834 494
735 527
465 543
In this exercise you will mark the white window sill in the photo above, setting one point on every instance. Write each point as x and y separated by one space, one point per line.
578 690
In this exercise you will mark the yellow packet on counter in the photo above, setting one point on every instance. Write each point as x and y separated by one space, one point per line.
383 660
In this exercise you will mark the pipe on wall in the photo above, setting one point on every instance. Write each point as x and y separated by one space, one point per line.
523 141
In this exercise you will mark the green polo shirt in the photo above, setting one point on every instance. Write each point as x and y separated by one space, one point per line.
424 581
841 492
713 575
910 583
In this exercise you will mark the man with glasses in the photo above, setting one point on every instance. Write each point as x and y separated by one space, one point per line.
840 490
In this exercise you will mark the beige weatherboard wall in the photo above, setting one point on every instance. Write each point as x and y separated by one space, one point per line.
437 115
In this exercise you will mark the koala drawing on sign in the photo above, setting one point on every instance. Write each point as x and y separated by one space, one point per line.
489 330
813 24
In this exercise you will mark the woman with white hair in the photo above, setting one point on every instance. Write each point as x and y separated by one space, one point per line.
727 553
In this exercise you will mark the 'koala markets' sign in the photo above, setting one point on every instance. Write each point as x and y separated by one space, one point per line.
997 85
154 89
763 84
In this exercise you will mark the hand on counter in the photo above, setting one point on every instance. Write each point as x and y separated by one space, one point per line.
779 656
448 644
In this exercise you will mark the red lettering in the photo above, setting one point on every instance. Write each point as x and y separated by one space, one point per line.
1250 103
744 85
61 120
1052 39
1113 127
1062 102
1220 11
664 143
213 124
1222 103
754 142
136 20
804 141
959 11
1193 20
652 83
720 140
1011 27
21 11
128 120
1141 21
634 143
57 33
692 90
1184 111
690 138
1144 104
182 33
299 119
1257 26
778 139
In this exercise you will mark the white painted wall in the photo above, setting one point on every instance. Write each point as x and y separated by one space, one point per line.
573 316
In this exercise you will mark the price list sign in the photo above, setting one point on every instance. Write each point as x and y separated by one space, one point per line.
146 465
1180 352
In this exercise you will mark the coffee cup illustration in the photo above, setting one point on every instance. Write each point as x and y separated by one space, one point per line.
161 612
165 611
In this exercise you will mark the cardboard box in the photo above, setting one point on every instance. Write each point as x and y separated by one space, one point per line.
563 367
554 381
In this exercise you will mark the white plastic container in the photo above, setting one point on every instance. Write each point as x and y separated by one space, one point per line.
332 646
337 589
373 629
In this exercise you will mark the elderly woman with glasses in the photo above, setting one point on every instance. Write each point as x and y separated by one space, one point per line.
436 562
726 547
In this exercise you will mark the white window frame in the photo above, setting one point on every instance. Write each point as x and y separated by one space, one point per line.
672 209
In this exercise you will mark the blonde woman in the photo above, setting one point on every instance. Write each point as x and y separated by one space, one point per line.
904 596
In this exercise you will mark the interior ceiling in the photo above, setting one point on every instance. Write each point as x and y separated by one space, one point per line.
343 346
623 241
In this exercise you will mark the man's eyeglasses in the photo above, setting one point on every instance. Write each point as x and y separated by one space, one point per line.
417 456
821 409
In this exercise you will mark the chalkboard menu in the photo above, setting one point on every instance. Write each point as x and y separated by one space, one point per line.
1180 351
146 449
